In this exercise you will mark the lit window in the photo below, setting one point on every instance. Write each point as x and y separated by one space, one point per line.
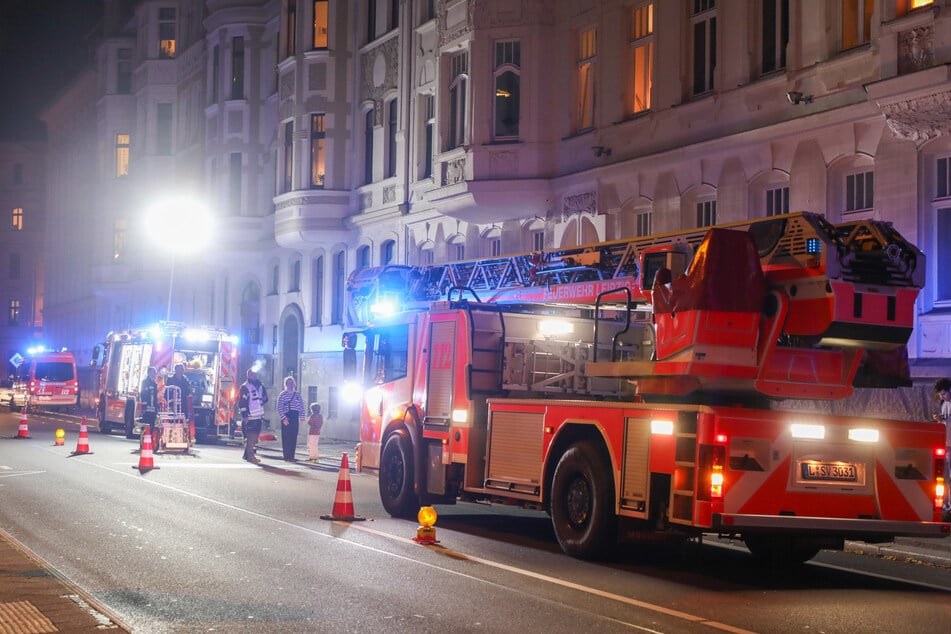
14 315
18 219
642 57
318 134
122 154
459 69
507 88
856 22
320 23
588 51
704 22
166 32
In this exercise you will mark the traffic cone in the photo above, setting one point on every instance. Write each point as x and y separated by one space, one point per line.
343 500
24 430
82 446
146 460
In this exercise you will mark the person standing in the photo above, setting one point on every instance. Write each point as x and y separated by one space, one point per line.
290 409
251 399
942 392
179 380
148 398
314 423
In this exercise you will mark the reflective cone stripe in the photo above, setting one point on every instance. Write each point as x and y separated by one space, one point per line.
146 459
82 445
24 430
343 500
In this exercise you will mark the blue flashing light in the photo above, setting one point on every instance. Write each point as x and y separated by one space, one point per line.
813 246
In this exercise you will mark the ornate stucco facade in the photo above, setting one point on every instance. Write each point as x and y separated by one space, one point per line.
326 136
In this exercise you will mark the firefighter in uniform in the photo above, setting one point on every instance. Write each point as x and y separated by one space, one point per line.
251 400
148 397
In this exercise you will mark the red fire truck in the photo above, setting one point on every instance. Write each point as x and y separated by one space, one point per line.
210 357
633 387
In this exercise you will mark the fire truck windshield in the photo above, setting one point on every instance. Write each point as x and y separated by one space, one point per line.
389 348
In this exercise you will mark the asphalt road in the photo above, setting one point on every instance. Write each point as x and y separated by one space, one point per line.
208 542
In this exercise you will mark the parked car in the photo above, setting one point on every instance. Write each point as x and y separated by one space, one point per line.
6 393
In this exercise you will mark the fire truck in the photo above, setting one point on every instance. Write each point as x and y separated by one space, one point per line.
210 357
635 388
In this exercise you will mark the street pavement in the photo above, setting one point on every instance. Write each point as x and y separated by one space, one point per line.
35 598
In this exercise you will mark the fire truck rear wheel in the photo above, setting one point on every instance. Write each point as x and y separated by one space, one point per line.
582 502
130 419
396 477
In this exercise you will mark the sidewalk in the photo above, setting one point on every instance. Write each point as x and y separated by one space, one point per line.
35 598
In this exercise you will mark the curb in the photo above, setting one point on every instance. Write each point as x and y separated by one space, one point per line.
937 557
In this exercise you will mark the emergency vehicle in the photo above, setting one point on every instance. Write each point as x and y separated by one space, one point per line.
632 387
45 378
210 357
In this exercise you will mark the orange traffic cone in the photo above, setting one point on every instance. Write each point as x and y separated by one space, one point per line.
343 500
82 446
24 430
146 460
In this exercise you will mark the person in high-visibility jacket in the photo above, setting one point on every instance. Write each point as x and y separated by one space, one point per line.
251 399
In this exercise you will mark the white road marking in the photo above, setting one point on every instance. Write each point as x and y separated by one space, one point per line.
686 616
20 473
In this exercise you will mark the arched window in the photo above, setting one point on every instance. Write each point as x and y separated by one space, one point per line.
508 76
294 281
387 252
275 278
456 249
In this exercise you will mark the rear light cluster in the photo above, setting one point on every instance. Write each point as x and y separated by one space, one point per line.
940 486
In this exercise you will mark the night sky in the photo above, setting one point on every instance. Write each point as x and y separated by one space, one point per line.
43 43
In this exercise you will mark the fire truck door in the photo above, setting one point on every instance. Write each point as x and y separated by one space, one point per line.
437 419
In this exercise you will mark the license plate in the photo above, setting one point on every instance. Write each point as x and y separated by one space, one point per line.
829 471
43 397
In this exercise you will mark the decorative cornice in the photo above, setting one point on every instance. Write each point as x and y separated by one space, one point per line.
920 119
586 202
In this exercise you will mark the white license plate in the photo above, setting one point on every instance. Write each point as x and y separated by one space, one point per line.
829 471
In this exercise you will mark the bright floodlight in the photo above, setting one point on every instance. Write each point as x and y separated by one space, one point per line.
181 225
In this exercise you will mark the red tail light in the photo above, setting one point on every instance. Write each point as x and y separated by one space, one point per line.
940 486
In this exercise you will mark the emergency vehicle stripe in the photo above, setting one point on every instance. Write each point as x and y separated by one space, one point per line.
226 380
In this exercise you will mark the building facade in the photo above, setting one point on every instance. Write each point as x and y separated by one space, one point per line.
23 205
327 135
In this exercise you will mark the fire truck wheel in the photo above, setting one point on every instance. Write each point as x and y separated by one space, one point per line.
780 551
396 477
130 419
582 502
104 427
